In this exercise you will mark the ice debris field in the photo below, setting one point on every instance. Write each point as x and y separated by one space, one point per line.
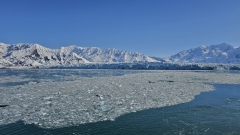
83 100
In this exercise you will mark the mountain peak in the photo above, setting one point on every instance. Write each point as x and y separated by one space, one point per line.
220 53
25 54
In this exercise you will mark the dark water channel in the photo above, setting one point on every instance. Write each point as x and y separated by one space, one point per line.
210 113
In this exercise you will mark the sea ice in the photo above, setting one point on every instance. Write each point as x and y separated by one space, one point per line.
83 100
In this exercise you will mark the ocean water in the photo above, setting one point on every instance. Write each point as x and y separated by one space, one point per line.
211 113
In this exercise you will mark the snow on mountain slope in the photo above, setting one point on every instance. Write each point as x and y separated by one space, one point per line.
158 59
3 49
37 55
221 53
96 55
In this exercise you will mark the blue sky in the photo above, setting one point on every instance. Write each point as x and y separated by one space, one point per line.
153 27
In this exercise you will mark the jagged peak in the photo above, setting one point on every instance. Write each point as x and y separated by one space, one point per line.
202 46
220 45
1 43
74 53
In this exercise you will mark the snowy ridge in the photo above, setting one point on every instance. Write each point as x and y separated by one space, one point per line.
97 55
221 53
35 55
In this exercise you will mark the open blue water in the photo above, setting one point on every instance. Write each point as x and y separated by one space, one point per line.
211 113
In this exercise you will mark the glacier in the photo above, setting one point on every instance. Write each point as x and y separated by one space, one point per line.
151 66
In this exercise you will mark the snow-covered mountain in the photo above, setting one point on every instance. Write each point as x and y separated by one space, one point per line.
34 55
221 53
37 55
97 55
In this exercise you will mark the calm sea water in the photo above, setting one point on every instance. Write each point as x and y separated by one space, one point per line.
211 113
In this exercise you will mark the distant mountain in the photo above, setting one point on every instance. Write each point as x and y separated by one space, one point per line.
221 53
97 55
36 55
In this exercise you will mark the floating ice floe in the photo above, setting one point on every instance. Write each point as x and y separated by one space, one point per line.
83 100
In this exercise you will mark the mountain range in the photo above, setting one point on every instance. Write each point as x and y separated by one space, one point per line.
33 55
221 53
24 54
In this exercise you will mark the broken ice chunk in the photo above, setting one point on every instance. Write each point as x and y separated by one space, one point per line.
56 75
32 83
106 108
48 98
48 102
